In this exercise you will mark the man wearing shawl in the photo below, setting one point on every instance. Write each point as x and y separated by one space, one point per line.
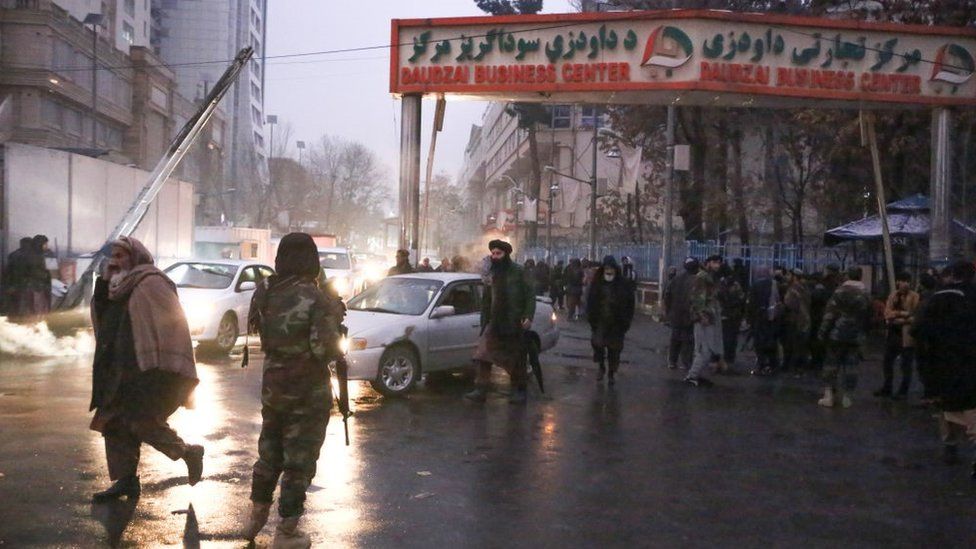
143 368
506 312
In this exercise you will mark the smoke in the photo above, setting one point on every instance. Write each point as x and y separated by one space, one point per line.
37 340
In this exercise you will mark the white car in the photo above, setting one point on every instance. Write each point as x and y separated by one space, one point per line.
216 297
338 266
407 325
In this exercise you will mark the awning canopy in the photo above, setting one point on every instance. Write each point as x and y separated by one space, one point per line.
907 218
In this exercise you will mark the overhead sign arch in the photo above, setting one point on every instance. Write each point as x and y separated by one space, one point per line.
695 56
684 57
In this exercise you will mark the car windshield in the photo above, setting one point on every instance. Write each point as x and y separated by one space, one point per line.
401 296
334 260
210 276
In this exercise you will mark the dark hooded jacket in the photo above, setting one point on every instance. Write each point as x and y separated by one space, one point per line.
610 305
946 326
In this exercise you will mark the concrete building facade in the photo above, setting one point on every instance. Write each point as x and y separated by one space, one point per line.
498 150
197 38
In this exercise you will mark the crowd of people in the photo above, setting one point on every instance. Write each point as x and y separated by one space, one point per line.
818 324
26 280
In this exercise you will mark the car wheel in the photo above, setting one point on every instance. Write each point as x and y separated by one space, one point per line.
398 373
226 334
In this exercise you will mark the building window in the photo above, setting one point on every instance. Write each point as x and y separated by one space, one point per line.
587 115
255 92
256 115
258 140
128 33
130 8
159 97
561 116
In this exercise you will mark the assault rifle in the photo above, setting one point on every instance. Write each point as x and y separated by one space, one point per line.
340 369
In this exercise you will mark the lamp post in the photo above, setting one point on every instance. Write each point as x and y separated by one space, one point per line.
94 19
593 196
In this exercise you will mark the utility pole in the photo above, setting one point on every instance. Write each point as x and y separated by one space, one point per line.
666 250
593 190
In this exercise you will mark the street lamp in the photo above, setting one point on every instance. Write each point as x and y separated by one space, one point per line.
95 20
593 196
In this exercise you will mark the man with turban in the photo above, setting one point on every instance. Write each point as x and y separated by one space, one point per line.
507 309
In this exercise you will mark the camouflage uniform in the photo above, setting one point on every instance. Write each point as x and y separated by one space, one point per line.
300 327
843 327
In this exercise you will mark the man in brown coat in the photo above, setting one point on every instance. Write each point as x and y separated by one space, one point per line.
143 368
899 314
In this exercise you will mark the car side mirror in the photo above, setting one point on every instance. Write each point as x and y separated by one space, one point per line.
247 286
443 311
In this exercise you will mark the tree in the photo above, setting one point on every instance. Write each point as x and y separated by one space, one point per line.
509 7
347 191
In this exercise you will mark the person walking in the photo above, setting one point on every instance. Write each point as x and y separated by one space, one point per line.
765 311
843 327
16 281
946 327
557 283
707 314
425 266
796 321
823 287
143 369
507 309
610 314
542 273
627 269
403 265
677 314
39 277
300 327
898 316
732 298
574 288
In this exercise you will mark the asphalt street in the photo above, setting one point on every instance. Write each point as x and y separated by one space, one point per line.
650 463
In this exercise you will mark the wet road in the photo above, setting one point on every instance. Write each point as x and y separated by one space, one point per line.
653 462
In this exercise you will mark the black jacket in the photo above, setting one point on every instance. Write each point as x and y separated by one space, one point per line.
677 301
621 304
946 328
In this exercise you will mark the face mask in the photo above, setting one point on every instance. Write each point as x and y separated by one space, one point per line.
609 277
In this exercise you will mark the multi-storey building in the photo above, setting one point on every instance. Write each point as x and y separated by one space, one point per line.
197 38
125 21
498 153
120 105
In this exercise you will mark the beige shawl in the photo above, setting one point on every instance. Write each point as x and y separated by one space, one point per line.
159 327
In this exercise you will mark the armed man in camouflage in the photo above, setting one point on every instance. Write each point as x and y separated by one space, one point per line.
300 328
843 329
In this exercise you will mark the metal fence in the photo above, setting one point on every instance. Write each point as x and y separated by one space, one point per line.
757 259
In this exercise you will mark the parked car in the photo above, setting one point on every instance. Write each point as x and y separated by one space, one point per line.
216 297
407 325
338 266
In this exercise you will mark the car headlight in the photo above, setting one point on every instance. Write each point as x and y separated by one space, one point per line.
552 317
198 313
347 344
375 273
340 284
